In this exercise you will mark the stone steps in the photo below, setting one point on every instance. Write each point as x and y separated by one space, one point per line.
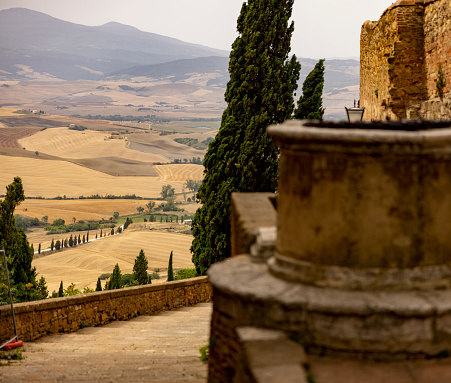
159 348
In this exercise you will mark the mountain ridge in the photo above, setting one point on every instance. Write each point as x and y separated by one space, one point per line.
109 47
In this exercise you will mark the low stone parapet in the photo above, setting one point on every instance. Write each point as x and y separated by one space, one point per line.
68 314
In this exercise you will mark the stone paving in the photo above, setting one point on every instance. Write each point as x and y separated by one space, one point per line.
344 370
159 348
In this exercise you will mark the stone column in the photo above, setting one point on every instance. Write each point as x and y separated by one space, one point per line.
363 208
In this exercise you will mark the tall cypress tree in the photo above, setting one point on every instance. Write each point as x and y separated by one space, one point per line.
170 269
243 157
61 290
140 269
13 239
310 104
99 285
116 279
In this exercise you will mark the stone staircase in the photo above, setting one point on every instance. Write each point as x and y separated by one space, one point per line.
160 348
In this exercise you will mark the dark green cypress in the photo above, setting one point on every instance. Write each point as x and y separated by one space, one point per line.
140 269
52 245
13 239
61 290
39 249
116 279
243 157
310 104
170 270
99 285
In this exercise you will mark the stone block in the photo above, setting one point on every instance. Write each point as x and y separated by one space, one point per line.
249 212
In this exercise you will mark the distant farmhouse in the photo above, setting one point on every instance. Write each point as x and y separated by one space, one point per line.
405 62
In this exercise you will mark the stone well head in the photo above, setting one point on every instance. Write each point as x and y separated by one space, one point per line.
364 206
363 250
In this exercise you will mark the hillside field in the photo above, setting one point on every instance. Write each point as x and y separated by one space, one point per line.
83 264
55 161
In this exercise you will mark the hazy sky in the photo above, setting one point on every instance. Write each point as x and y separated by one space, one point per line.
323 28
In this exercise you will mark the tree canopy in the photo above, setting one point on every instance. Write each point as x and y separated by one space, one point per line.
242 157
18 250
140 269
310 104
115 281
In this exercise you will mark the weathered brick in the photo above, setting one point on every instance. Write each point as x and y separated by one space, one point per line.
399 60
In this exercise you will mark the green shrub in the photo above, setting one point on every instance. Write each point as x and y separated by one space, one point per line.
105 276
185 274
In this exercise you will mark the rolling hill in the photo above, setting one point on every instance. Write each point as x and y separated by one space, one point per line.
64 50
37 47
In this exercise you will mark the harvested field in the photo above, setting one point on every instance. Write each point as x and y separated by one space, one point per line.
180 173
9 136
74 144
143 147
52 178
30 121
7 112
81 209
48 179
83 264
39 236
165 145
117 166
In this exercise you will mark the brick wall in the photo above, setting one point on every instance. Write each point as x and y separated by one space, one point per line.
399 59
68 314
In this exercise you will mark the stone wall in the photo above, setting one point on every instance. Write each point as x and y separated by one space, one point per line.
399 60
437 43
249 213
68 314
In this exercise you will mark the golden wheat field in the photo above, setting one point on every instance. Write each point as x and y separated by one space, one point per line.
80 209
7 112
67 143
83 264
48 179
71 163
180 173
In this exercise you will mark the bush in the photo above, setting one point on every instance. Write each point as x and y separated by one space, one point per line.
185 274
58 222
105 276
126 279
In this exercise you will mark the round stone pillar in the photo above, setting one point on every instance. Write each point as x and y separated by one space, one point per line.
364 208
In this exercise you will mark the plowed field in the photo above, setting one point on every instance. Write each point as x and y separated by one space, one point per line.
9 136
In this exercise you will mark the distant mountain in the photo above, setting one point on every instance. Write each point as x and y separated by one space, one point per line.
177 70
69 51
34 45
338 74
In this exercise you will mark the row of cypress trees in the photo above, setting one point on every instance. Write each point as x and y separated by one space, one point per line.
242 157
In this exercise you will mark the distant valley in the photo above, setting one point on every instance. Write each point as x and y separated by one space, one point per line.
67 69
